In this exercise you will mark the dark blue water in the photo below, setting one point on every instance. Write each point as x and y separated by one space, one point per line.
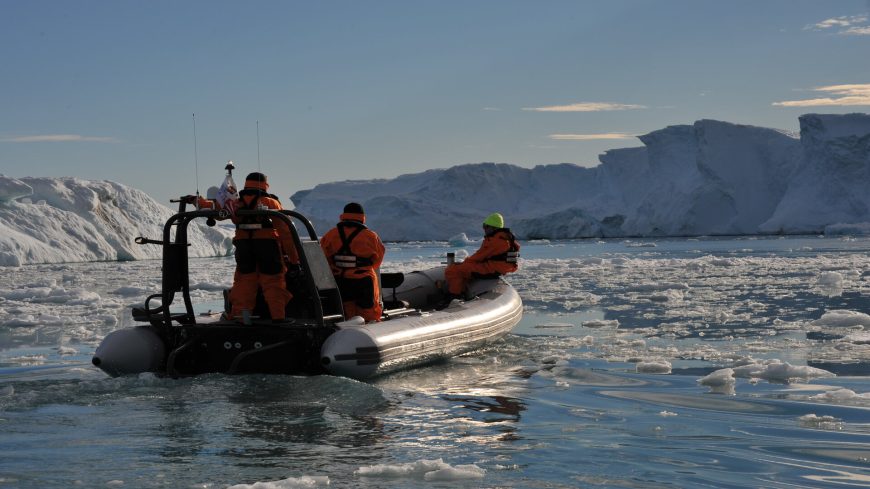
562 402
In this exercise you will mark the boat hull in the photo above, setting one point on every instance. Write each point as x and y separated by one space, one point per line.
367 350
413 334
130 351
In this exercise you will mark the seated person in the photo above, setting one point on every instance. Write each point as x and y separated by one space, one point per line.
497 256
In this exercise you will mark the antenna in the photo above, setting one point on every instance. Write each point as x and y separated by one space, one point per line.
258 146
195 158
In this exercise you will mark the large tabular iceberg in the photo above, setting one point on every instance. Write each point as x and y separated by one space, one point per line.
54 220
708 178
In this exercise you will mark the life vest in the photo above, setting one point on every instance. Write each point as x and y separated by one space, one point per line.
344 258
513 252
253 223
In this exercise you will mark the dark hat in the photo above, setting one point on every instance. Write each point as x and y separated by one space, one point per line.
353 208
257 180
256 177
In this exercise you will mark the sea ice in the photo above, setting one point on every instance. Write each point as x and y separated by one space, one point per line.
653 367
430 470
720 382
289 483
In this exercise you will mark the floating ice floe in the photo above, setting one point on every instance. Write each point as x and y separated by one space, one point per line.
859 338
822 422
630 244
775 370
554 326
839 395
830 284
843 319
720 382
289 483
601 323
659 367
429 470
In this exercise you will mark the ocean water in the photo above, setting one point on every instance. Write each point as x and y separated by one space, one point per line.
712 362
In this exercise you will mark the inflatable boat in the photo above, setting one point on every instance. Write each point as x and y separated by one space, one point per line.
417 327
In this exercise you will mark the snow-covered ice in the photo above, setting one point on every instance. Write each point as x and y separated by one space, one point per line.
708 178
75 220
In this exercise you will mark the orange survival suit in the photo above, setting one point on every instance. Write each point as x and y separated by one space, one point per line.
355 253
497 256
264 246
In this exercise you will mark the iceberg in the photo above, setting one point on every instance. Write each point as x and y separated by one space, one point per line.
57 220
707 178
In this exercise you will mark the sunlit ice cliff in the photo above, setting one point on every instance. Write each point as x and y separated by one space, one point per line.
55 220
708 178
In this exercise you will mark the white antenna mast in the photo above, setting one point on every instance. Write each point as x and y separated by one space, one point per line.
258 146
195 159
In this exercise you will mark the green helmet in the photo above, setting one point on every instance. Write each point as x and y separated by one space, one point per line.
495 220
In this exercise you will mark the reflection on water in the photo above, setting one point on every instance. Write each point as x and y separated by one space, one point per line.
493 409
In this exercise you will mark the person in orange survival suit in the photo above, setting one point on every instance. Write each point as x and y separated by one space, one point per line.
497 256
264 248
355 253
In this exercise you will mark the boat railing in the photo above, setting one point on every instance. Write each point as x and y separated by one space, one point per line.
316 279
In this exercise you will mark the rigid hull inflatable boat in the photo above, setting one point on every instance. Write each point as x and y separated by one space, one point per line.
316 337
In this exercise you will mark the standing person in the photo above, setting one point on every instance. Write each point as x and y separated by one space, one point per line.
264 247
355 253
497 256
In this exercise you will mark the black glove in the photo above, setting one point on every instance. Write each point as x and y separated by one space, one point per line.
294 270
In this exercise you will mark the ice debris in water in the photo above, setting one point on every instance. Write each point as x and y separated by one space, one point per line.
841 395
860 338
601 323
660 367
554 326
289 483
775 370
823 422
430 470
843 319
720 382
830 284
459 240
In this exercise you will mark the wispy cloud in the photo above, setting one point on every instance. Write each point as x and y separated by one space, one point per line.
590 137
857 31
57 138
848 25
841 95
585 107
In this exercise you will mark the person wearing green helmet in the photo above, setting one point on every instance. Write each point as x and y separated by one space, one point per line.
497 256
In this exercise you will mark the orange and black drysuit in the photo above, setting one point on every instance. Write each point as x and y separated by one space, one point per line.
264 246
355 253
497 256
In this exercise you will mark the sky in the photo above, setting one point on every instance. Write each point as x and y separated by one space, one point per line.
158 95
